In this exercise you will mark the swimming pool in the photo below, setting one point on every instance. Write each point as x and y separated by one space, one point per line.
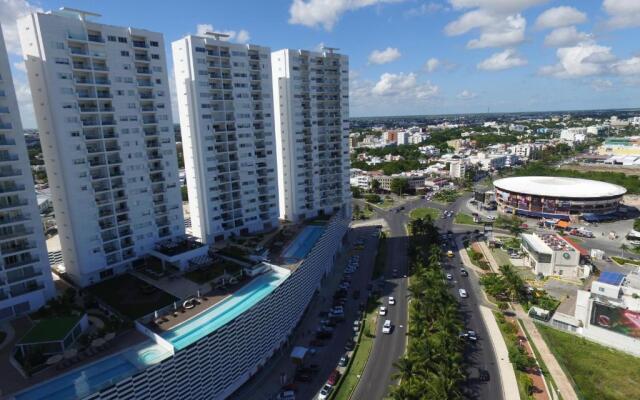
225 311
102 373
304 242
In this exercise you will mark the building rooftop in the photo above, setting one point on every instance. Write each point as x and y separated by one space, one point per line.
559 187
50 330
611 278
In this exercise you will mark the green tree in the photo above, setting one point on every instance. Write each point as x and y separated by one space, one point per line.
399 185
374 185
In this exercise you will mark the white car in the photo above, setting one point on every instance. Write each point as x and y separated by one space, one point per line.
386 327
325 392
392 300
463 293
449 276
383 310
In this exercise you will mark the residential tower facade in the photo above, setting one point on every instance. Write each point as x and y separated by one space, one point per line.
225 102
311 114
25 277
102 105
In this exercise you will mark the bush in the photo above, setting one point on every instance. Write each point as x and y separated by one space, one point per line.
372 198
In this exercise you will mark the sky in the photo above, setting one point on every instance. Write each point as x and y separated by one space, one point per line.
410 57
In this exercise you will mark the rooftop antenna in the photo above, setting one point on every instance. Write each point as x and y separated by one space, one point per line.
217 35
329 50
81 13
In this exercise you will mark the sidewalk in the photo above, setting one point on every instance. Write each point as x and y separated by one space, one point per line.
507 374
564 385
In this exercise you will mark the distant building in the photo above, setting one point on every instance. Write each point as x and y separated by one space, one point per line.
623 146
391 136
402 138
457 169
573 135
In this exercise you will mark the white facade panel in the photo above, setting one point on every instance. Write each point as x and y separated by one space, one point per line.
102 105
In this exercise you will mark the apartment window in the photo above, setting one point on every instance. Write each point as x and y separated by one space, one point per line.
122 39
153 43
58 45
124 53
155 56
119 92
126 67
158 81
65 90
200 50
111 38
64 61
75 134
63 75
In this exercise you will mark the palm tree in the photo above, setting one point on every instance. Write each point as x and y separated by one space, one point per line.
405 370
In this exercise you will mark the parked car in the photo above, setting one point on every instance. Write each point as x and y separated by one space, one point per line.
286 395
325 392
391 300
463 293
449 277
483 375
464 272
333 378
356 326
349 345
382 310
344 360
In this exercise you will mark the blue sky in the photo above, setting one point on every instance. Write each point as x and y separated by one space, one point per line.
415 56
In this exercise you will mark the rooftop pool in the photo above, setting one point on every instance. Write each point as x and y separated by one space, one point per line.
95 376
225 311
303 243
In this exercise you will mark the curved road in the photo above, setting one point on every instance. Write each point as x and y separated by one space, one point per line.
375 381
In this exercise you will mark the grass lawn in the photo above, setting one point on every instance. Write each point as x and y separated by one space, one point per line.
502 258
51 329
387 203
422 212
466 219
130 296
599 373
360 356
621 260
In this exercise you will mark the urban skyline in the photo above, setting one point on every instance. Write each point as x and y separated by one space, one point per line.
459 67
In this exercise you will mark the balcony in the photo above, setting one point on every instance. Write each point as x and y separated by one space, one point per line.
4 110
140 43
6 173
78 51
103 95
145 71
141 57
11 188
5 126
13 248
24 260
147 120
25 288
96 38
16 233
145 83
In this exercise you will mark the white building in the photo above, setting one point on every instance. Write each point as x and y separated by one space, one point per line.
552 255
402 138
457 169
225 102
25 277
573 135
103 110
311 103
418 137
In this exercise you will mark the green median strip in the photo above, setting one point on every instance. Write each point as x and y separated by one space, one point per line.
349 380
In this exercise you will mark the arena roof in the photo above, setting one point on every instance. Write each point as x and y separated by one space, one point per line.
554 186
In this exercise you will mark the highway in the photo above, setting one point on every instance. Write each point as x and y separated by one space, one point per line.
376 379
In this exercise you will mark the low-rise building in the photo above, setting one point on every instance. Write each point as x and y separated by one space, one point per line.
548 254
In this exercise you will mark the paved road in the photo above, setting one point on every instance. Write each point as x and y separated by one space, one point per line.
267 383
374 383
376 378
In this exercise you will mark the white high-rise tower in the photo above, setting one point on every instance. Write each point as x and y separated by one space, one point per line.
25 276
311 97
102 103
225 102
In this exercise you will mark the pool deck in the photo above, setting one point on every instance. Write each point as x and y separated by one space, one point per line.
212 298
12 382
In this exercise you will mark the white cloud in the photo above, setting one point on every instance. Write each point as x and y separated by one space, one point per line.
584 59
506 59
630 66
467 95
504 33
432 64
560 16
10 11
601 85
622 13
384 56
25 101
403 86
424 9
242 36
566 36
325 13
500 22
505 6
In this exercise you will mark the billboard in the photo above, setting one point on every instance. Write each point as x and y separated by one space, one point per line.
618 320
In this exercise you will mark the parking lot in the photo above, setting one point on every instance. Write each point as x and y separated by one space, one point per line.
326 331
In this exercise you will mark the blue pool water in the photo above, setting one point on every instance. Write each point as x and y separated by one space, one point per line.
83 382
102 373
304 242
220 314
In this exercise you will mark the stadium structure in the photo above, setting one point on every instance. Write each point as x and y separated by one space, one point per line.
557 197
